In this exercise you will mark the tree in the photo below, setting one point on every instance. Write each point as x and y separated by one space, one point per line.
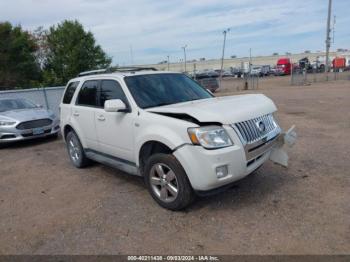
71 50
39 35
18 66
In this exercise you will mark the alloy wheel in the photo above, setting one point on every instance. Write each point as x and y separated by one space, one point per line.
163 182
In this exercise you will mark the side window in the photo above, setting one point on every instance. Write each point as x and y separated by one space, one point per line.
88 94
111 89
68 95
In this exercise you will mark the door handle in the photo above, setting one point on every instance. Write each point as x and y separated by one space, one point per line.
101 118
75 114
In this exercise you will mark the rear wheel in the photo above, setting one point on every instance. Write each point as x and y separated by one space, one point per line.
167 182
76 151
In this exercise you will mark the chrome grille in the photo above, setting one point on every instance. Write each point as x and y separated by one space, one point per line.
252 130
34 124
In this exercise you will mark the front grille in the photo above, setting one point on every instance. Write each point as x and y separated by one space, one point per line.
31 134
34 124
250 131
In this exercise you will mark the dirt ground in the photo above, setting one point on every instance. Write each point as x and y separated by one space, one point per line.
49 207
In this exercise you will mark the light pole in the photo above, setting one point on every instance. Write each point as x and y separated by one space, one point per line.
184 48
328 39
168 62
250 61
223 53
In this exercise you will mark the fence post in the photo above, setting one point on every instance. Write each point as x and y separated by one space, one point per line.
46 101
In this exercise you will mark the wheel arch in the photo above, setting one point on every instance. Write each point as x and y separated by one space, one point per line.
150 148
67 128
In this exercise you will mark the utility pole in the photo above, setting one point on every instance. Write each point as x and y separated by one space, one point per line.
250 61
184 48
168 62
333 29
223 54
328 39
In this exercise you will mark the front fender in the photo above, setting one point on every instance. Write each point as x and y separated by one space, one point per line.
162 134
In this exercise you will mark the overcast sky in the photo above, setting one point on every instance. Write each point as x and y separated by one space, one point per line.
154 29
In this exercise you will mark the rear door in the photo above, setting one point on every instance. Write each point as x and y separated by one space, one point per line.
83 114
65 106
115 129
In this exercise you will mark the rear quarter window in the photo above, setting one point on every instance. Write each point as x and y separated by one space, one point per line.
70 90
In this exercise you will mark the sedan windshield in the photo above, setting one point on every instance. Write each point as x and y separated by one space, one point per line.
15 104
164 89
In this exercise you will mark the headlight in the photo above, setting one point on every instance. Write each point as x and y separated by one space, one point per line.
275 118
209 137
7 123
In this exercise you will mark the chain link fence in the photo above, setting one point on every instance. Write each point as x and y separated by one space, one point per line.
48 97
306 77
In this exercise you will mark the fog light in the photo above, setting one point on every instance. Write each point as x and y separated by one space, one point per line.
221 171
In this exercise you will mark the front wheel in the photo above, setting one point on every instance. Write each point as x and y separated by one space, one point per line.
167 182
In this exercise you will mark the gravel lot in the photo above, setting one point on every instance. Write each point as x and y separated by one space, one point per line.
49 207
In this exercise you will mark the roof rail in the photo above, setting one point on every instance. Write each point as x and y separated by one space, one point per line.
130 69
116 69
93 72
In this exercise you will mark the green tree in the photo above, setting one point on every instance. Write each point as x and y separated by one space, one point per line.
18 66
71 50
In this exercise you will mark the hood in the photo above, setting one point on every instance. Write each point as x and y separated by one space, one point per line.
26 114
225 110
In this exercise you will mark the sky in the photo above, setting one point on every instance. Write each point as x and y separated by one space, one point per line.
147 31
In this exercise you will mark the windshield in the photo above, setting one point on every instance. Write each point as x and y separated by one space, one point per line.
15 104
164 89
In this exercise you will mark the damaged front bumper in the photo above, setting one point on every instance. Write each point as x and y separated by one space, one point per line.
201 165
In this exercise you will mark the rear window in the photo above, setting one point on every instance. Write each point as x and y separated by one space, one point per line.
68 95
88 94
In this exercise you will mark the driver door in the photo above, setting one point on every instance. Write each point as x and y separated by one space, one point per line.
115 130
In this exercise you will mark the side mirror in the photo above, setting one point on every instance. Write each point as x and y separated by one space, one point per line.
115 105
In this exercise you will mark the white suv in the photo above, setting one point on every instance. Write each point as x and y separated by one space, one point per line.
167 128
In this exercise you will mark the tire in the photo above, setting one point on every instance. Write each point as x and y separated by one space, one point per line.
76 151
162 187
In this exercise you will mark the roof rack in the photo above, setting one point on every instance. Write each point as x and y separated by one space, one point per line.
116 69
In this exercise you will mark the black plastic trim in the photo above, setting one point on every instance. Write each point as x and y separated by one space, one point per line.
111 157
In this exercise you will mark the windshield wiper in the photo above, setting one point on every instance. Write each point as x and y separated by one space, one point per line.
160 104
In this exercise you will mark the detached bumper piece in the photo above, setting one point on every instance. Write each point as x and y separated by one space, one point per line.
278 154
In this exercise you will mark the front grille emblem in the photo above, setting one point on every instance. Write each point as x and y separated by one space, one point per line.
261 126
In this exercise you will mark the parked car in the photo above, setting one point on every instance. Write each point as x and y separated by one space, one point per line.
225 73
265 70
256 71
206 73
20 119
236 72
167 128
210 83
